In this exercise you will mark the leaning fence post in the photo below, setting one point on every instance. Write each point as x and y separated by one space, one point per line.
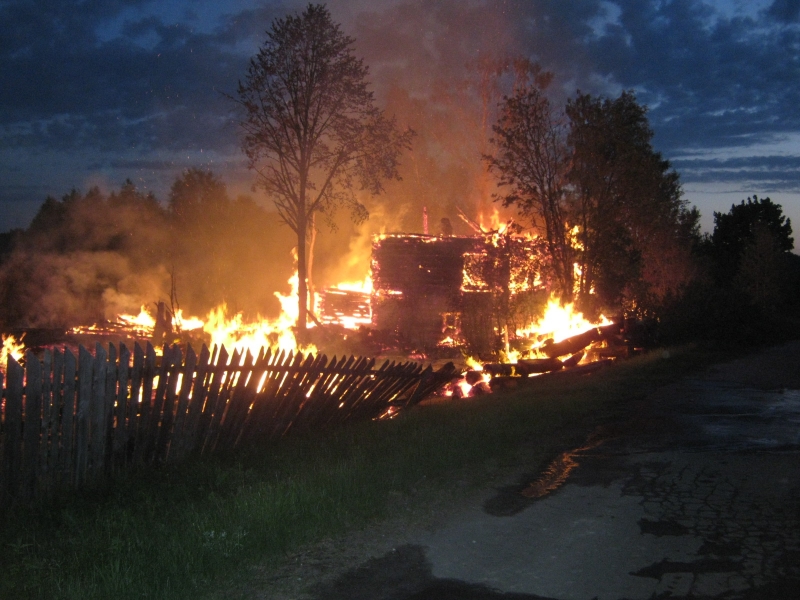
32 423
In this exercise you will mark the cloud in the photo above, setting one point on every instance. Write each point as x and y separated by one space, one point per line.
765 173
785 10
117 82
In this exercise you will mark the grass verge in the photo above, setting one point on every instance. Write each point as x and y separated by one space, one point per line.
176 532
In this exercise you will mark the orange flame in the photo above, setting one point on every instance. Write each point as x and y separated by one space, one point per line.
12 348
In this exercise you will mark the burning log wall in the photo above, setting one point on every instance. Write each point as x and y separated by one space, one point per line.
67 422
417 279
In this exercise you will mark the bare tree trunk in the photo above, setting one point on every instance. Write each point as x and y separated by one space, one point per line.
310 260
302 282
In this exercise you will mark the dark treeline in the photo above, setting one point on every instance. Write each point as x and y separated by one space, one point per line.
91 256
746 284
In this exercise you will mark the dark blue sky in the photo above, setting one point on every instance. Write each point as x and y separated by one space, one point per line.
93 92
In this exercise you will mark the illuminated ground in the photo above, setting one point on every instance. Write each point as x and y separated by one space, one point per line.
696 496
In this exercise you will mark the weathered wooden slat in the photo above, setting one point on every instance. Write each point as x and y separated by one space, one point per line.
123 409
136 400
12 445
260 376
241 400
174 375
270 397
233 405
56 418
98 432
150 436
47 419
2 448
174 448
328 399
283 394
31 424
197 400
109 403
236 398
66 458
309 405
349 390
149 373
221 400
211 406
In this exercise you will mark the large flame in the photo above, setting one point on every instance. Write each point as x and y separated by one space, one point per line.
12 347
559 322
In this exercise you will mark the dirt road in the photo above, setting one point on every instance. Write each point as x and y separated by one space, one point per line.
695 495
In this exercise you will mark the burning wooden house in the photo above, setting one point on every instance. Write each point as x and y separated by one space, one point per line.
439 291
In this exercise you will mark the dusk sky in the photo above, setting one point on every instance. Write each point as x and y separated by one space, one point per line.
93 92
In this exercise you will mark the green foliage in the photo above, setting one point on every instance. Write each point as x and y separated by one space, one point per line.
739 228
636 228
747 282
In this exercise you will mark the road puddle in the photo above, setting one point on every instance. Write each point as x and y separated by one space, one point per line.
558 471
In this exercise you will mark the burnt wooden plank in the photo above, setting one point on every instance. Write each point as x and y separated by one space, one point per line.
32 422
66 459
12 444
99 410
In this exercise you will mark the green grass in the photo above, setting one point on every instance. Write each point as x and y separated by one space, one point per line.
177 532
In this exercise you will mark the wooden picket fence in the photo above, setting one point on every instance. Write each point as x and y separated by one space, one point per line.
67 422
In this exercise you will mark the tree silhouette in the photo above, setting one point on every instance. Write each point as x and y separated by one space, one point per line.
312 132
